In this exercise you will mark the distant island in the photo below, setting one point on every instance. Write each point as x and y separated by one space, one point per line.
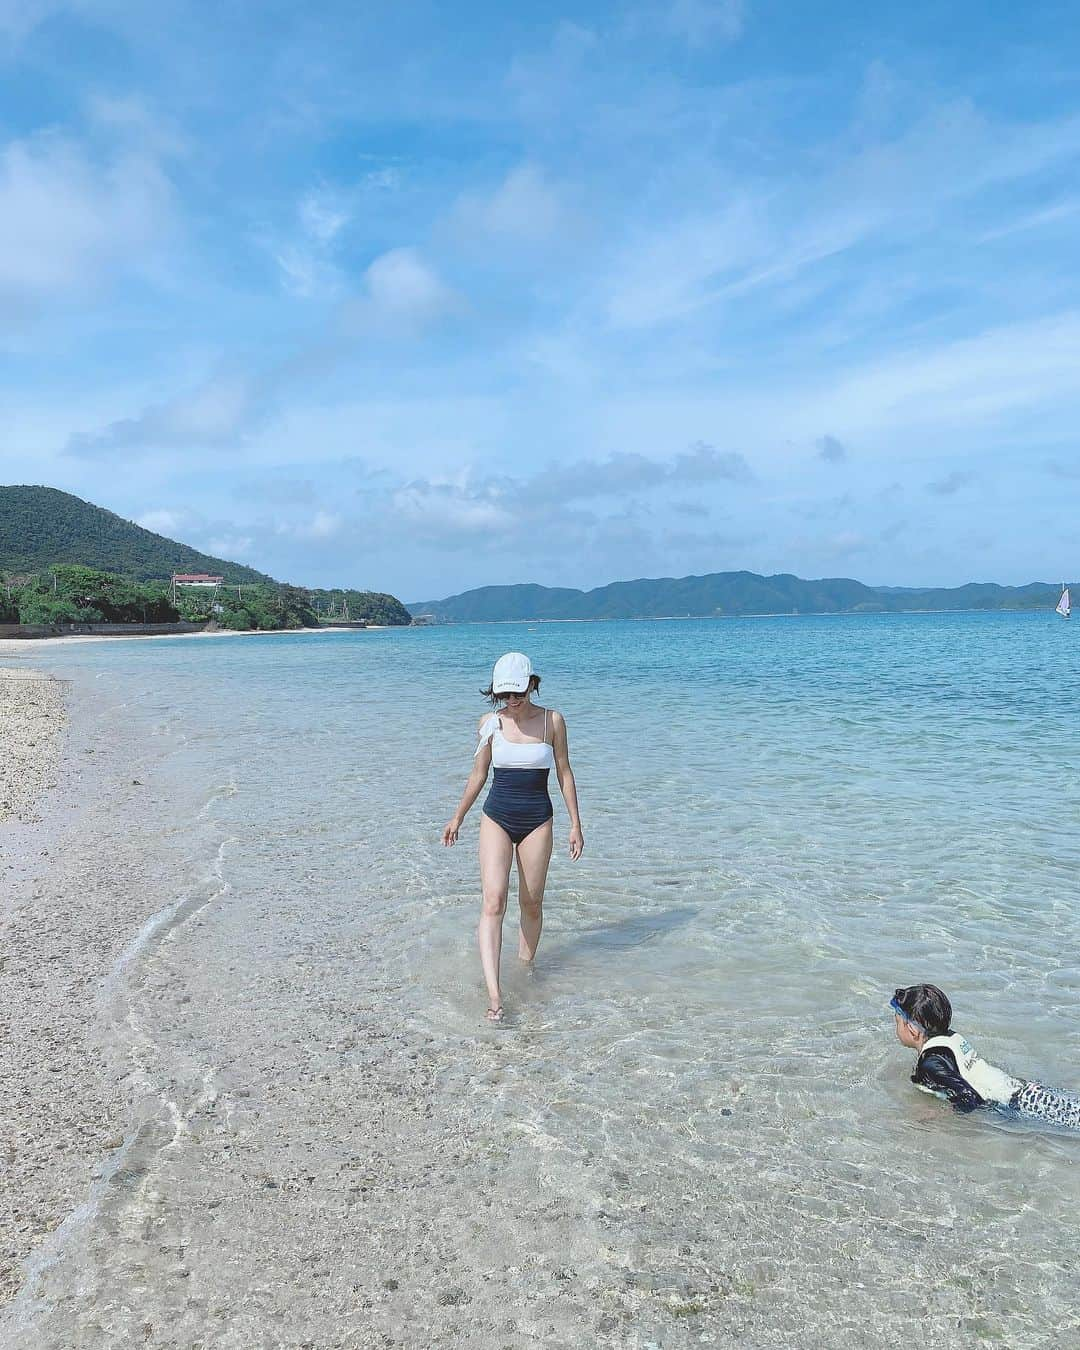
722 594
65 561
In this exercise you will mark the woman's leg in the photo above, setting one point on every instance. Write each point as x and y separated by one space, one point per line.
496 856
533 856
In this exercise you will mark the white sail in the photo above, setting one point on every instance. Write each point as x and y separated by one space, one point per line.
1063 606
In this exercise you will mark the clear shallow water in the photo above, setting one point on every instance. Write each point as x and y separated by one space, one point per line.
784 820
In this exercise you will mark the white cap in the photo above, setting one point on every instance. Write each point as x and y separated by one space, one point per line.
512 674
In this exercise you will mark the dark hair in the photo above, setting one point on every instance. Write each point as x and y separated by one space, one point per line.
489 692
927 1005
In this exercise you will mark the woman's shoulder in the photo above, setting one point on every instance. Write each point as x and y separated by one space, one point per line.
487 722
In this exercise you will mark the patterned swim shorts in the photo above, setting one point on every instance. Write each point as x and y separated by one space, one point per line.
1042 1103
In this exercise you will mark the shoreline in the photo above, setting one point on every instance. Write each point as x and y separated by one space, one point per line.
20 646
78 885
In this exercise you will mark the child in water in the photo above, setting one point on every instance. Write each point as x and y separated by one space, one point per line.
949 1067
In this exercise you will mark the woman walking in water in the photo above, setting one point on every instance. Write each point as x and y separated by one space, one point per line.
524 742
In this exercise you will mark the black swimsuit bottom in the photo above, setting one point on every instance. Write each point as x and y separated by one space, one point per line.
518 801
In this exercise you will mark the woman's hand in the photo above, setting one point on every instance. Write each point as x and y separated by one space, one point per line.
450 833
577 843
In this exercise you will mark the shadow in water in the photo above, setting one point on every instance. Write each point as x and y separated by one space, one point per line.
633 931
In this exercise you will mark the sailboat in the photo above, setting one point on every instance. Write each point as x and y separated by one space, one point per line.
1063 605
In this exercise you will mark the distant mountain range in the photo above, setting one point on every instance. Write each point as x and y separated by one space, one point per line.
723 593
42 527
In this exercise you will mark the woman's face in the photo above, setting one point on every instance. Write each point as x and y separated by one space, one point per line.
512 702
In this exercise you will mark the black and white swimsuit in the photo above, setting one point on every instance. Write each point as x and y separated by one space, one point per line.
518 800
949 1067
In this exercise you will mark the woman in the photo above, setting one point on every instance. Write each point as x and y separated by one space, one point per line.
524 742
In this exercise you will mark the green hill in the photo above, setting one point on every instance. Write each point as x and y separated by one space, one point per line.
373 607
42 527
723 593
975 595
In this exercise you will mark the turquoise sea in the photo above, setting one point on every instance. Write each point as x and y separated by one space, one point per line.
697 1127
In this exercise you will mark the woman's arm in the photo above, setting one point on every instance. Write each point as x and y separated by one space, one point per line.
476 780
567 785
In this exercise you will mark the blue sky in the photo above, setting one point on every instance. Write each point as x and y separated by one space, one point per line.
423 297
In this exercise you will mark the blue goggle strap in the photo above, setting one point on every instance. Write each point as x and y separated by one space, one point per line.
895 1006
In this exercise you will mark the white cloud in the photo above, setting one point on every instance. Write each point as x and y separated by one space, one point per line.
131 118
843 544
322 217
627 473
19 18
699 22
728 236
164 521
230 546
439 508
525 206
215 414
402 293
303 274
1033 220
1024 366
669 272
306 258
66 222
552 80
322 525
387 179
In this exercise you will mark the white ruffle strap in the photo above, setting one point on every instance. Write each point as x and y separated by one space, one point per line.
488 729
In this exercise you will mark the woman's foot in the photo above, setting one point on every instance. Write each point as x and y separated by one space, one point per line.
494 1014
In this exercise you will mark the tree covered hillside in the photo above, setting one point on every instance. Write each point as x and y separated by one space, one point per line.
63 595
41 527
714 594
359 606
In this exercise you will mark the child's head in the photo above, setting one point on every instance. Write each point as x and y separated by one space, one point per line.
922 1011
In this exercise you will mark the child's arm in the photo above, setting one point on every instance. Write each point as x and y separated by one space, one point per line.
937 1071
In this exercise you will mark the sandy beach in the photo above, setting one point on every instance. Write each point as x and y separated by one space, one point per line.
77 886
59 1111
32 716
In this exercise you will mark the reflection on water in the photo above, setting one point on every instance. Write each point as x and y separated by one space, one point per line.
697 1128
